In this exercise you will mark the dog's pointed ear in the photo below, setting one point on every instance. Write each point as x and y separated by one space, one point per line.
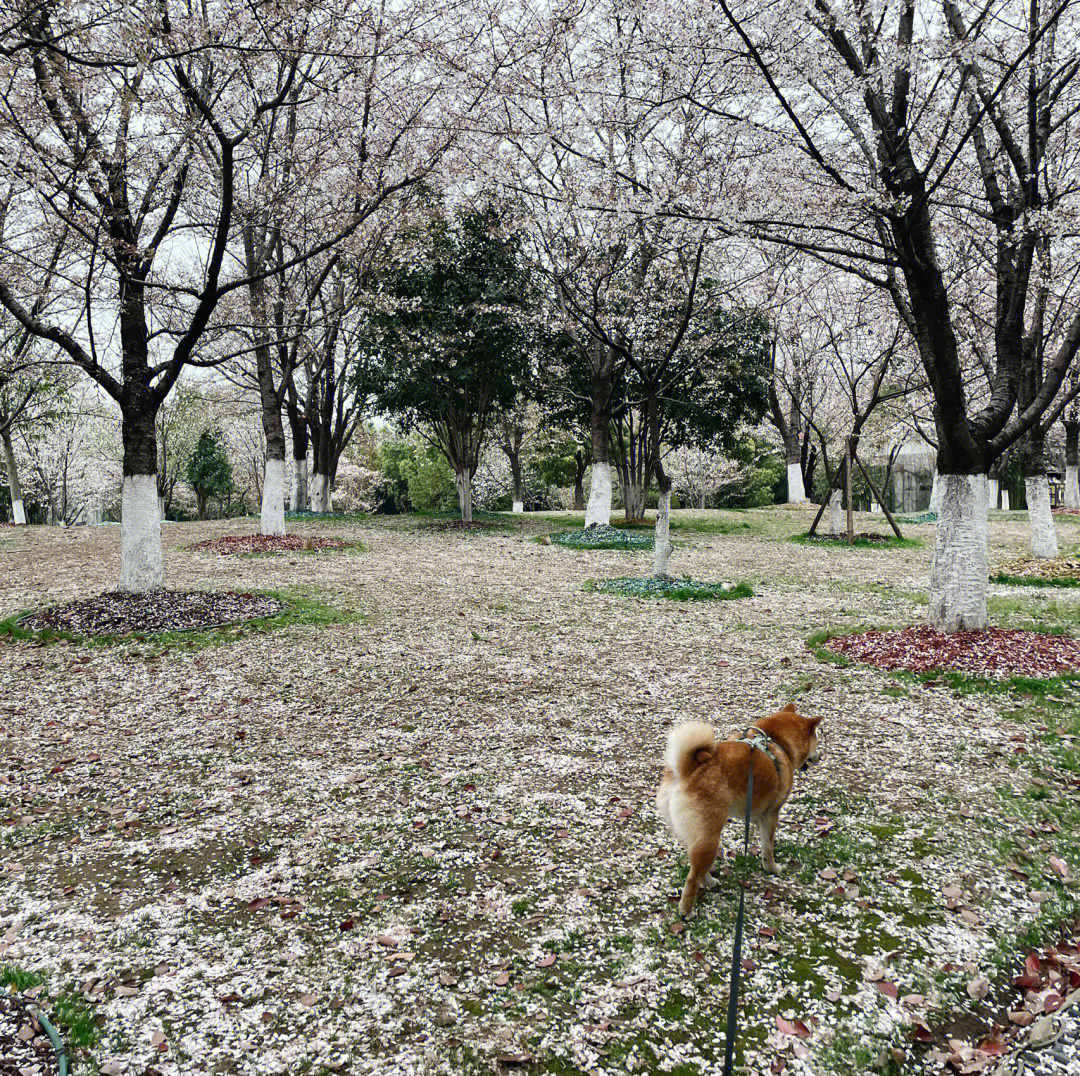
812 723
789 709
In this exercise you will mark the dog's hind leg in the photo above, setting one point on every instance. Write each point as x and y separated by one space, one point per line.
766 826
702 855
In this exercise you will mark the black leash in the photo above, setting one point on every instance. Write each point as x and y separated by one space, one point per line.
736 957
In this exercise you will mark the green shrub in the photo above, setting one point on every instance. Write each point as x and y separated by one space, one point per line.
603 538
418 477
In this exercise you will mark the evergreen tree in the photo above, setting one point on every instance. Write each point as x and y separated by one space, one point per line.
209 472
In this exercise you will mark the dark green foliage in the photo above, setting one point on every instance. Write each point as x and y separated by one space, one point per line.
419 478
764 470
448 345
209 472
717 381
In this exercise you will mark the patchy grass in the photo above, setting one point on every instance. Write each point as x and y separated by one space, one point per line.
675 589
74 1019
695 521
1029 581
861 541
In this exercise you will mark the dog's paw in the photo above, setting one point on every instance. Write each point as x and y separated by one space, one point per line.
710 881
772 868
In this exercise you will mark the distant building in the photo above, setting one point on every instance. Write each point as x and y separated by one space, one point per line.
913 469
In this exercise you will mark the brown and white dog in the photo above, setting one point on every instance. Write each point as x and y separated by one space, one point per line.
704 784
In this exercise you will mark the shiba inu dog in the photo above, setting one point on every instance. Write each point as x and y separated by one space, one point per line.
704 784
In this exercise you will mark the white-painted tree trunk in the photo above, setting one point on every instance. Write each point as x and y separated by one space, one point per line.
796 490
992 493
958 570
464 485
836 512
272 515
1005 500
298 494
598 510
320 492
142 561
1072 486
519 507
662 536
161 508
18 511
1040 517
935 495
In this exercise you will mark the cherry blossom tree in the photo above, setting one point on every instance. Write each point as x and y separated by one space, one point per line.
152 134
606 149
929 131
1071 423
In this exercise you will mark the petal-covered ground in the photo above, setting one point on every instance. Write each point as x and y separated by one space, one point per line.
1060 570
422 839
25 1049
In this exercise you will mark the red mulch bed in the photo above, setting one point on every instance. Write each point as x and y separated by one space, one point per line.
1067 511
996 653
266 543
24 1046
119 613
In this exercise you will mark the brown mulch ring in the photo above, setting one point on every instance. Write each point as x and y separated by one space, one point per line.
461 525
25 1049
1066 511
1059 568
996 653
231 544
118 613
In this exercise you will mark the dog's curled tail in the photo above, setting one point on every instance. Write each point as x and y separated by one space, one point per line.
689 746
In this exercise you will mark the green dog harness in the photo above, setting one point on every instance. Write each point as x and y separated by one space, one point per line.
760 739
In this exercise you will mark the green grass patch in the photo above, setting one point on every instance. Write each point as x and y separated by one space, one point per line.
859 542
727 521
297 609
1039 613
675 589
75 1022
1029 581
